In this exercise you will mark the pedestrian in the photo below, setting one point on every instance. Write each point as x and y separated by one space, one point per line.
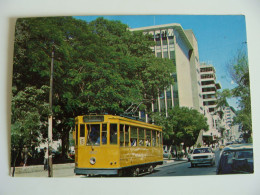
45 162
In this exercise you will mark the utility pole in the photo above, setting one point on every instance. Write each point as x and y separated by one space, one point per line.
50 169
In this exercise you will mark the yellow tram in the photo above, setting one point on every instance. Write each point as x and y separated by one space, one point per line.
114 145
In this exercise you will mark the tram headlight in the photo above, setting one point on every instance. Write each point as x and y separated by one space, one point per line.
92 160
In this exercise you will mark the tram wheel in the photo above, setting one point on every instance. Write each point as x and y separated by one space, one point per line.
135 172
150 169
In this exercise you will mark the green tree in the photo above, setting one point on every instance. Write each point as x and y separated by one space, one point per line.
99 67
182 125
29 113
222 102
35 40
239 71
136 73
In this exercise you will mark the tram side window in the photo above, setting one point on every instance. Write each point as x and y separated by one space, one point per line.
148 138
133 136
93 137
104 134
141 137
82 140
76 134
127 135
82 130
161 139
113 133
154 138
122 132
158 138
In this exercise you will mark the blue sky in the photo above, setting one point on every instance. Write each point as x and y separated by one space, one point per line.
219 37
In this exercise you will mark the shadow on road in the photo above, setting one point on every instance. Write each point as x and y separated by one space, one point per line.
202 166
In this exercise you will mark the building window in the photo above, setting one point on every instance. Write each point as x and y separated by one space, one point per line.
159 55
171 40
165 54
172 55
164 41
158 42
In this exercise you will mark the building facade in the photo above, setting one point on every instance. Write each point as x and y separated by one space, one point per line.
232 132
180 46
209 88
195 83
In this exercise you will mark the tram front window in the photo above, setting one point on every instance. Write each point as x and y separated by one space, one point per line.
93 137
113 133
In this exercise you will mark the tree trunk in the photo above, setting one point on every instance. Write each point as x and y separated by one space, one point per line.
185 150
176 152
65 144
15 155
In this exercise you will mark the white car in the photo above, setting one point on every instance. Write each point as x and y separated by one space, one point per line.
203 155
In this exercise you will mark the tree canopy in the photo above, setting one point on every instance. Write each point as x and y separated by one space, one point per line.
182 125
239 71
99 67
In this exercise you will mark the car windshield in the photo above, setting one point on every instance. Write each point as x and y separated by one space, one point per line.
202 150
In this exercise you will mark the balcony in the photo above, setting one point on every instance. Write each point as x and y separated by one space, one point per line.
210 103
208 86
207 77
209 99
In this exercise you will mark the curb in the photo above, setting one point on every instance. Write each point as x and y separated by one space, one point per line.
39 168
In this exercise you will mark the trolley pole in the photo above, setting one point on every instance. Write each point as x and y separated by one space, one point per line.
50 119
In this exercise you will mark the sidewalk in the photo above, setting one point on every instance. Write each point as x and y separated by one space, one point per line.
39 168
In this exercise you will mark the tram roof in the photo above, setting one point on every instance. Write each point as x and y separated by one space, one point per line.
124 118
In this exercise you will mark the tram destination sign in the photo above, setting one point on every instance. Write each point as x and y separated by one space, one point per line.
88 119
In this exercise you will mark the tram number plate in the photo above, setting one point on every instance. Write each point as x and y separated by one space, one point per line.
82 141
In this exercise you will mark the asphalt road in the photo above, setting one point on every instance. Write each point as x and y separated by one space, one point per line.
183 169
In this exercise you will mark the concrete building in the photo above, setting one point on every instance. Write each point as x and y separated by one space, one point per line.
209 87
195 73
195 83
232 132
174 43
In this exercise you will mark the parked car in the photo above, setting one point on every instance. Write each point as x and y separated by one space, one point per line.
203 155
236 158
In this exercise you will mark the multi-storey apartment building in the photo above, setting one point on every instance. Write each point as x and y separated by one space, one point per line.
209 88
172 42
232 131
